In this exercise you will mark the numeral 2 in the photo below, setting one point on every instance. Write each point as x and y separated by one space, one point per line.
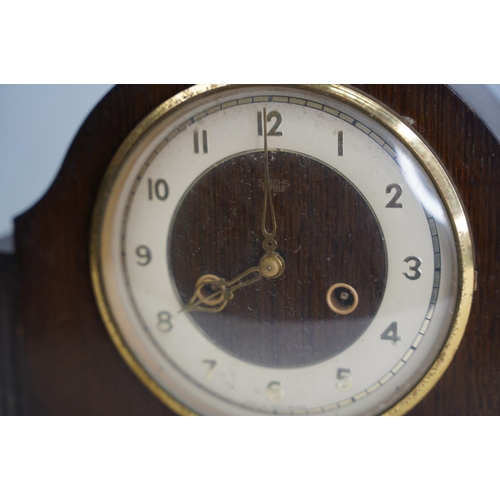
399 191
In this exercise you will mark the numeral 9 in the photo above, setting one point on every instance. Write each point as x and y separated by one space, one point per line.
144 253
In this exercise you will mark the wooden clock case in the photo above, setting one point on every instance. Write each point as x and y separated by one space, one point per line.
56 355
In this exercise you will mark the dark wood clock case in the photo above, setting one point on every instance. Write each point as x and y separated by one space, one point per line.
56 357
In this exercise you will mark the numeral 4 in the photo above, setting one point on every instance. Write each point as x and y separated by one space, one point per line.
391 334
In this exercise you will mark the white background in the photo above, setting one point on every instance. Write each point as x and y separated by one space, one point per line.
141 42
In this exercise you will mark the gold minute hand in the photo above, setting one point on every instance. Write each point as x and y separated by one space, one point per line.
269 243
222 291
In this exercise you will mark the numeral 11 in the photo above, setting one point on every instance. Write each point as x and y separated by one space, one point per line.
197 141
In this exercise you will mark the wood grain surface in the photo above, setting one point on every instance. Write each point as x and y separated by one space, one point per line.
325 229
67 363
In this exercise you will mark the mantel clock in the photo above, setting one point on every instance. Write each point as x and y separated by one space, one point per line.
262 250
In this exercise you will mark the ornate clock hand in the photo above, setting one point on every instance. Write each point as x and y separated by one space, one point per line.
269 243
272 264
217 301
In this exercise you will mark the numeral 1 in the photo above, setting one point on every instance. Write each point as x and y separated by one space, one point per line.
340 140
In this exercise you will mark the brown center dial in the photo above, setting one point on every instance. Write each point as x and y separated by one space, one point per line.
326 234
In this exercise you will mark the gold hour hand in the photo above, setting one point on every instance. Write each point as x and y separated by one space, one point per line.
212 294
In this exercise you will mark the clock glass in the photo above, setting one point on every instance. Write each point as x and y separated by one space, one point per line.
281 250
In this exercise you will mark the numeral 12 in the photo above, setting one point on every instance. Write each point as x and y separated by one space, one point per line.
273 115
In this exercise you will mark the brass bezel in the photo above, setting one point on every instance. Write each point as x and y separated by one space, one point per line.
387 118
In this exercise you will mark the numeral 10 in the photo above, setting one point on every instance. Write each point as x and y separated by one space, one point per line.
158 189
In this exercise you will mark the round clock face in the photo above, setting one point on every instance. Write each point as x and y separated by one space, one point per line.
267 249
